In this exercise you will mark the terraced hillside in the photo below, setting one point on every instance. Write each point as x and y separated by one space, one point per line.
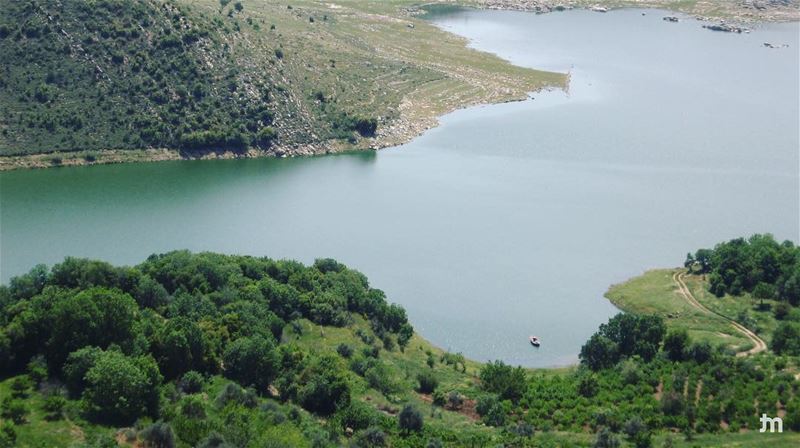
100 81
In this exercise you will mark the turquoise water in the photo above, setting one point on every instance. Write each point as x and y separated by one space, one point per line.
507 220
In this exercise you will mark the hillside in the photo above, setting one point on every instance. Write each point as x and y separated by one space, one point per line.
212 350
99 81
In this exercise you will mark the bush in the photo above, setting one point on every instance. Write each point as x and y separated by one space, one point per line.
20 386
120 389
372 437
78 364
606 439
508 382
427 382
54 407
15 410
786 339
410 419
158 435
344 350
192 382
455 400
251 362
588 385
233 393
491 410
675 345
8 435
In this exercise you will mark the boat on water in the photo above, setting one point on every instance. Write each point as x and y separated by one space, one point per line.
534 341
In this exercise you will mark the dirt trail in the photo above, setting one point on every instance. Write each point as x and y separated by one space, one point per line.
758 344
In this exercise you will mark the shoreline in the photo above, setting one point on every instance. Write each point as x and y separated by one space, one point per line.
411 122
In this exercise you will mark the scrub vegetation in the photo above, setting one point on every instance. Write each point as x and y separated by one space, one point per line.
213 350
89 82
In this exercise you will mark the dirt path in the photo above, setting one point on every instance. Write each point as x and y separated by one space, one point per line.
758 344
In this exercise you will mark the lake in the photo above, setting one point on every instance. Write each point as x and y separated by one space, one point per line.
505 221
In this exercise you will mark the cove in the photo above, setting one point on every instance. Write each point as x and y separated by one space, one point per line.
505 221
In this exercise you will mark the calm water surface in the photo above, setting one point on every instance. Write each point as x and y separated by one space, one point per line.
507 220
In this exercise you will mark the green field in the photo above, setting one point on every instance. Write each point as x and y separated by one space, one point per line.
654 292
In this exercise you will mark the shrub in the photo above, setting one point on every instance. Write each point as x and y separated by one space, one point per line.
455 400
251 362
15 410
191 382
410 419
606 439
372 437
54 407
120 389
20 386
786 339
506 381
233 393
491 410
78 364
8 435
427 382
158 435
344 350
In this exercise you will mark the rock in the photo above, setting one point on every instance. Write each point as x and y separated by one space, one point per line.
724 27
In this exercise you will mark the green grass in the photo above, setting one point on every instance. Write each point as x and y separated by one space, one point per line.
38 431
654 292
728 440
733 307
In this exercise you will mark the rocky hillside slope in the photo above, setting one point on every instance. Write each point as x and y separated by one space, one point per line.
102 80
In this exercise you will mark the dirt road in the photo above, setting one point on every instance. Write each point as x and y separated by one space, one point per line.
758 344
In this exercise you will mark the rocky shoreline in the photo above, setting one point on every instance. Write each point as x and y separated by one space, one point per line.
738 11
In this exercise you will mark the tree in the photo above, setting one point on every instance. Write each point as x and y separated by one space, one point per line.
78 364
120 389
786 339
325 388
95 316
599 352
251 362
179 347
149 293
675 345
410 419
763 291
701 352
510 383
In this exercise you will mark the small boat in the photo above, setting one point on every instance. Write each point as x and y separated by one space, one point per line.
534 341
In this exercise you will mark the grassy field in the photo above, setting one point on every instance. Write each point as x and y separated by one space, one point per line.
655 292
761 321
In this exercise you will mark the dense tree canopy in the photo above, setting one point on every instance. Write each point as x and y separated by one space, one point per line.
115 335
743 265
